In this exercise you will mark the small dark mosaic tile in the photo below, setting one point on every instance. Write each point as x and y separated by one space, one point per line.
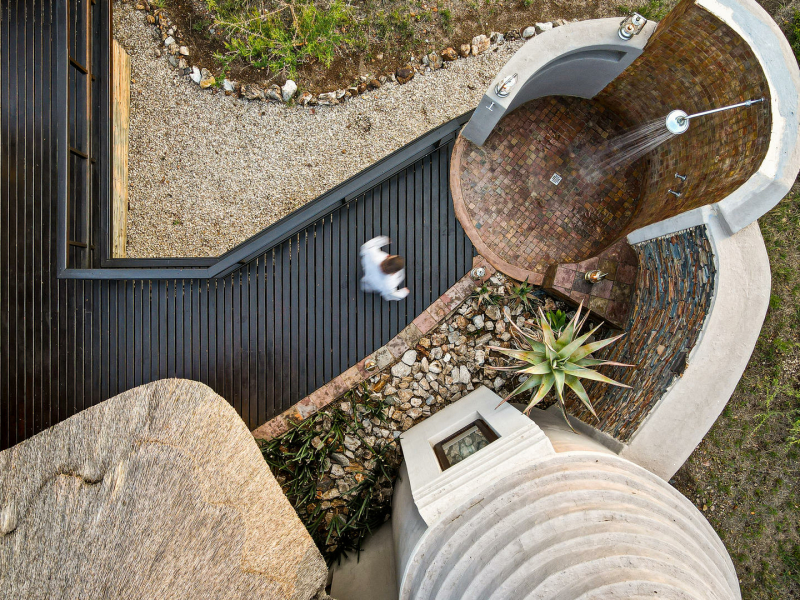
527 220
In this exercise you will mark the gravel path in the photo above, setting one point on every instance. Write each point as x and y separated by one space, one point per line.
208 171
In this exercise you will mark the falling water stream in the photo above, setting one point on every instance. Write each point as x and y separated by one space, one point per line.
625 149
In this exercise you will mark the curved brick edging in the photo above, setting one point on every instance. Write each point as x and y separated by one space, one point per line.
384 357
463 216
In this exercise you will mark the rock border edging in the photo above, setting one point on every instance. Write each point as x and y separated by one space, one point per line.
178 55
383 357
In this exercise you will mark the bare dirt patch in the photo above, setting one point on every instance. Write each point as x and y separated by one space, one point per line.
389 33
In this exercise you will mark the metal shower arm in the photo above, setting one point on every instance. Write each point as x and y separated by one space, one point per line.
716 110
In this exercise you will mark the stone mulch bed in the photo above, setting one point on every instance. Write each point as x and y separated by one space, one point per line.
338 466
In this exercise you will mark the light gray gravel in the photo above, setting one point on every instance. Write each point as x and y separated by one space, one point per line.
208 171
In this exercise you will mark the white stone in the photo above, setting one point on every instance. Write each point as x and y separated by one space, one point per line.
542 27
401 369
195 75
337 471
480 357
410 357
493 312
528 32
478 321
288 90
227 85
464 375
169 41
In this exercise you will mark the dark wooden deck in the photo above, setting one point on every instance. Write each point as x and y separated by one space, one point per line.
263 325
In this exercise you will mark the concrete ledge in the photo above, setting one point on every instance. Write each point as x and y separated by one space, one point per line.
685 413
383 357
777 173
576 59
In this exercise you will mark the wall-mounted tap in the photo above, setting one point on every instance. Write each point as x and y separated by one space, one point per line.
631 25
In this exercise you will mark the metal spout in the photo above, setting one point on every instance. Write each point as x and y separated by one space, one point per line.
678 121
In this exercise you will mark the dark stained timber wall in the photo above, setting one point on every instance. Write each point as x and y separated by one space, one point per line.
87 80
284 320
694 62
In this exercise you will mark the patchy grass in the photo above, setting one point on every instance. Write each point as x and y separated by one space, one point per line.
653 10
745 474
281 36
327 44
793 33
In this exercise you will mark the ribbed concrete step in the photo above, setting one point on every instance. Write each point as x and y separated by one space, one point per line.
574 525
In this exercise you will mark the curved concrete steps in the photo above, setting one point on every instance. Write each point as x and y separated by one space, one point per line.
577 525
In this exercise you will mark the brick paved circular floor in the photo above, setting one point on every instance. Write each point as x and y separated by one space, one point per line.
520 221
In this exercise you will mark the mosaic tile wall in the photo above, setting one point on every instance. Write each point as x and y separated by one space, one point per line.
673 294
694 62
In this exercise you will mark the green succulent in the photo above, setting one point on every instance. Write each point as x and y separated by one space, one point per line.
485 295
522 295
556 362
557 319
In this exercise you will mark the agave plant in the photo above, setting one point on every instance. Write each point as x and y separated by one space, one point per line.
522 295
485 295
557 361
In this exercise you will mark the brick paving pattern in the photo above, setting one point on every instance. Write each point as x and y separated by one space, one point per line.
609 299
525 219
673 294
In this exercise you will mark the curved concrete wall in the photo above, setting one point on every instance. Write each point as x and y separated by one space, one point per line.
685 413
573 525
576 59
705 54
695 61
777 171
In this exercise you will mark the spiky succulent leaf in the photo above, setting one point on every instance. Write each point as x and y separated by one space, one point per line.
546 385
573 369
559 376
594 347
570 349
526 355
571 330
576 386
599 362
517 331
558 362
526 385
547 333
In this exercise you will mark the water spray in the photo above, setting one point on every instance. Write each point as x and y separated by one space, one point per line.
678 121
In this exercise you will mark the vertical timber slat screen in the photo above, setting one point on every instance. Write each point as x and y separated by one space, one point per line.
263 336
